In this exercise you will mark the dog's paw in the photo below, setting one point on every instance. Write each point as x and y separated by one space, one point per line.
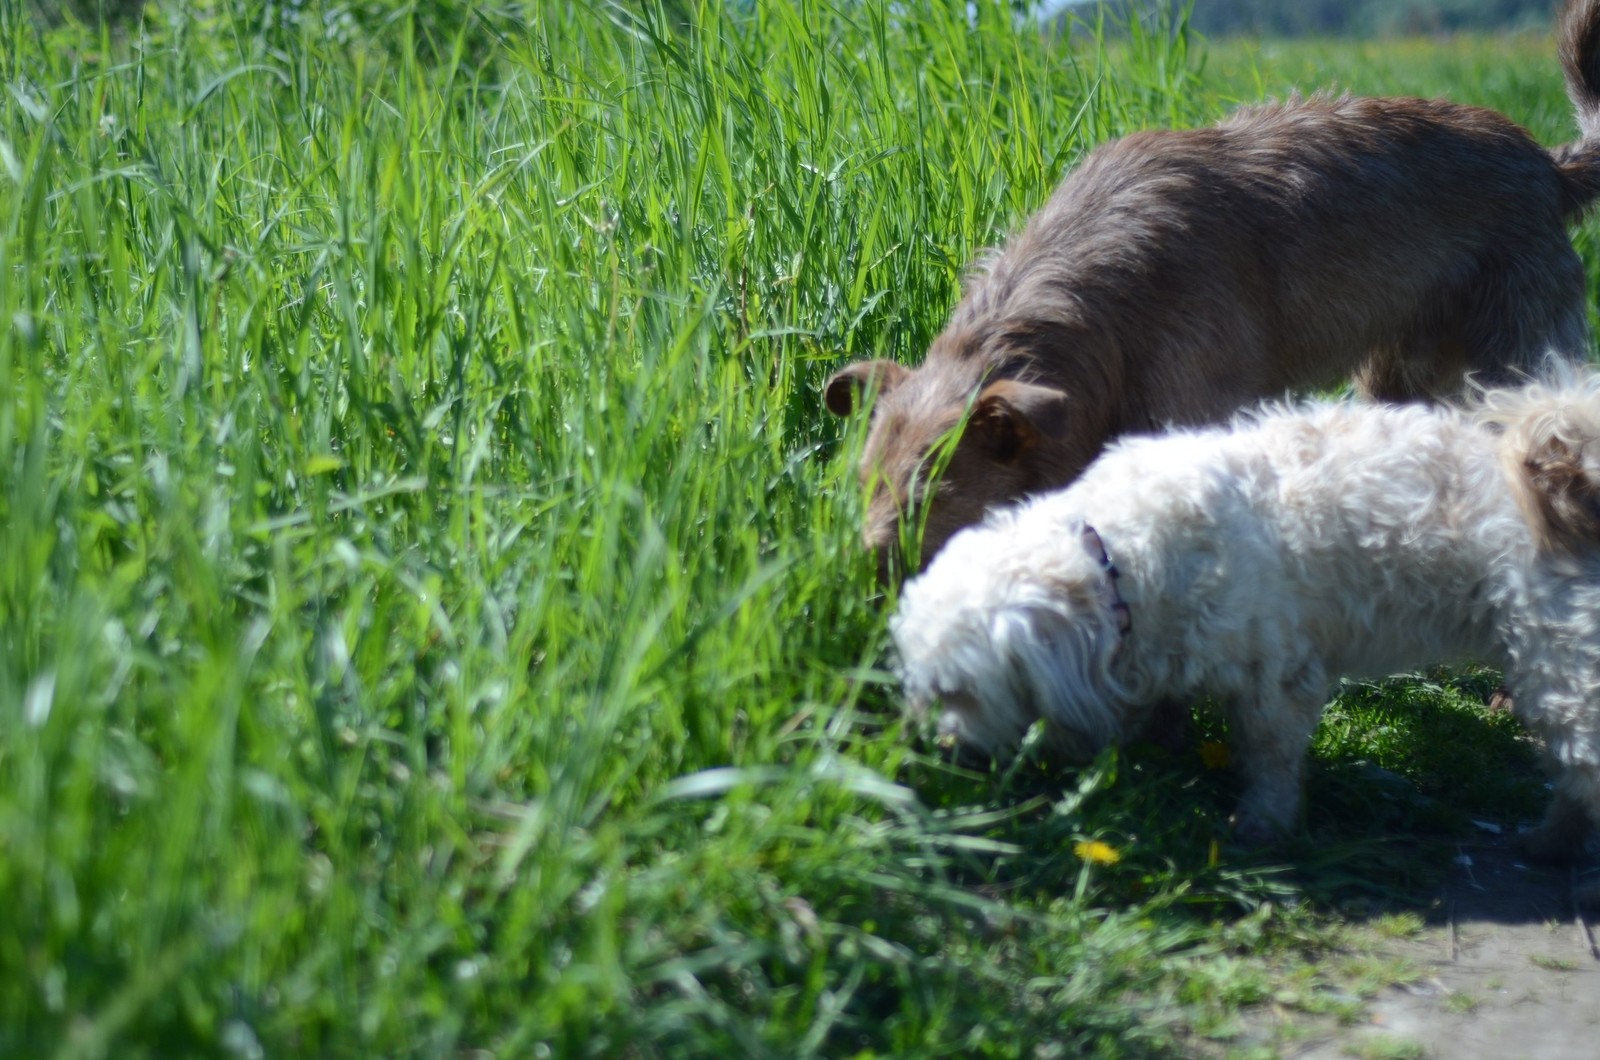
1267 812
1251 829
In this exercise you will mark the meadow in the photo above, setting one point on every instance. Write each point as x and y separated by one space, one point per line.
431 621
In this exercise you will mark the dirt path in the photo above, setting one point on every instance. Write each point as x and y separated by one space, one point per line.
1510 969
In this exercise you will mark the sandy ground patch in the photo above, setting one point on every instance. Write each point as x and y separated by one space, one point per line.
1510 969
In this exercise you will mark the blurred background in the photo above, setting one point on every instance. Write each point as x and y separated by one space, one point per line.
1357 18
1268 18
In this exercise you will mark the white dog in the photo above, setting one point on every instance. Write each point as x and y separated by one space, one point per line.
1259 563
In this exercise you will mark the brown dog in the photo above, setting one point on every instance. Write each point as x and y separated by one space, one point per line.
1177 275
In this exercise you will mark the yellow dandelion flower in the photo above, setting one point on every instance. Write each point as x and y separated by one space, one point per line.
1214 754
1097 852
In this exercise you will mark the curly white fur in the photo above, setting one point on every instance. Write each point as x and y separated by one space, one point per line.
1264 561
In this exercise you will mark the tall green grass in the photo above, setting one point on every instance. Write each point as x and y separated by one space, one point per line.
1515 73
430 612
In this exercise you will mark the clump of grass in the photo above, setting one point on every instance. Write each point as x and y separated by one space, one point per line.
1385 1047
1553 964
1440 755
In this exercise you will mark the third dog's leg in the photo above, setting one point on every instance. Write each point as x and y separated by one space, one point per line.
1560 837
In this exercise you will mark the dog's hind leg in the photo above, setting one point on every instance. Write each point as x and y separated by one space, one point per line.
1497 325
1397 375
1528 309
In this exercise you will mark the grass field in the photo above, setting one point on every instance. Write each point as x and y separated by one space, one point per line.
430 621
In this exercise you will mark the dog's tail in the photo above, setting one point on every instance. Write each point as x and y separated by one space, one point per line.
1550 449
1578 44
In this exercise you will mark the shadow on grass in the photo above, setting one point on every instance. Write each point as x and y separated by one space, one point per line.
1403 776
1102 911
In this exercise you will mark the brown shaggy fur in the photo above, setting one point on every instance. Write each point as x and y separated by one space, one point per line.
1177 275
1552 462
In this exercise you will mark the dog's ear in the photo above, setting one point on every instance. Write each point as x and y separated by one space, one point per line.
1010 417
844 388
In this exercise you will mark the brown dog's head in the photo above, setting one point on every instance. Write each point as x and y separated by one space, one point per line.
947 442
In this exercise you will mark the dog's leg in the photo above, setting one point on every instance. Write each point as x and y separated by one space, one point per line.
1387 376
1560 837
1524 308
1497 328
1427 365
1272 735
1560 840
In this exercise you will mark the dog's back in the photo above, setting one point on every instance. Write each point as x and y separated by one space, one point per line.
1412 241
1327 517
1179 274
